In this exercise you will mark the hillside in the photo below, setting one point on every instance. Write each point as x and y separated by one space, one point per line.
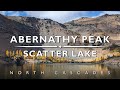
106 24
16 25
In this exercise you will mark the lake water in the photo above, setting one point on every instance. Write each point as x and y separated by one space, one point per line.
60 71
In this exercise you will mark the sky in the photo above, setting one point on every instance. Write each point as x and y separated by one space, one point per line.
59 16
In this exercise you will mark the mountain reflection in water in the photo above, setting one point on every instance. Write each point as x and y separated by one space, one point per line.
59 71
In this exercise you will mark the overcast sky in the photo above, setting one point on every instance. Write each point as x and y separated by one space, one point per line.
59 16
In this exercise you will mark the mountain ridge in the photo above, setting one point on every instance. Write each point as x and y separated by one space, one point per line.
16 25
105 23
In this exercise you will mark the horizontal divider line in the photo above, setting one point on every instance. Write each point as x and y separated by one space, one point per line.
60 46
82 46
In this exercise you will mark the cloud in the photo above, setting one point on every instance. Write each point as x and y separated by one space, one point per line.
2 12
60 16
109 12
10 13
65 16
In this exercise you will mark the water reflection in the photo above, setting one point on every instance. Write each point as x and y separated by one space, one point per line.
59 71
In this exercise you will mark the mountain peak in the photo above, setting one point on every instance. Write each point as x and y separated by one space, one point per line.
105 23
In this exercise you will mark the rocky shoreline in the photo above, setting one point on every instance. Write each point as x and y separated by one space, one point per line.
7 60
112 61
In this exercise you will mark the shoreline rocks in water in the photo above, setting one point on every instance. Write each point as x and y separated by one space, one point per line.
113 61
20 60
8 60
